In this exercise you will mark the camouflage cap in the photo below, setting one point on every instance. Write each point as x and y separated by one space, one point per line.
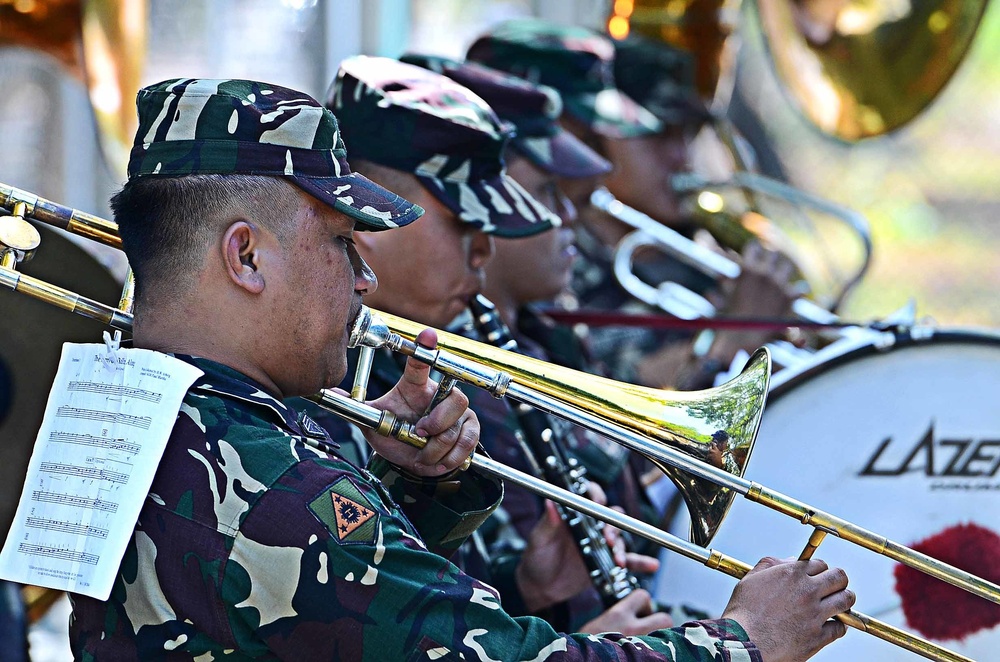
193 126
410 119
661 78
576 61
532 109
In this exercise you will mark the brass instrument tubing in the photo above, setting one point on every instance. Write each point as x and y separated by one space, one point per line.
874 542
812 544
450 364
127 299
66 218
359 390
368 416
65 299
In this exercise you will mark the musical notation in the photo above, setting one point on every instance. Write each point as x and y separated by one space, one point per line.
66 527
94 473
58 553
115 418
116 391
74 500
116 444
106 424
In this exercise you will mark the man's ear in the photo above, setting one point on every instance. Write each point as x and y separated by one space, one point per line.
241 256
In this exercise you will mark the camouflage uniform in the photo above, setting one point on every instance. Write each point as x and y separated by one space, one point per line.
495 553
257 540
413 120
619 89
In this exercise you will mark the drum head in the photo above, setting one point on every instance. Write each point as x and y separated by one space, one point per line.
31 338
904 442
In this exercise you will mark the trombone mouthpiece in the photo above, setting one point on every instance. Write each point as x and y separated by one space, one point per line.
368 330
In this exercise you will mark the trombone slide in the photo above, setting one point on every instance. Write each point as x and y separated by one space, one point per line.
375 419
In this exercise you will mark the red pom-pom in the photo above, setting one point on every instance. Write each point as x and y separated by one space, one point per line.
941 611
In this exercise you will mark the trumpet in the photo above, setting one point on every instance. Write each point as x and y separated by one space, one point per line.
673 298
701 439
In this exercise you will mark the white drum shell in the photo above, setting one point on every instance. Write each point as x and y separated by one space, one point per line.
822 426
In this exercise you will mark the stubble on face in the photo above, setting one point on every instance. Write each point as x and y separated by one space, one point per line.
320 300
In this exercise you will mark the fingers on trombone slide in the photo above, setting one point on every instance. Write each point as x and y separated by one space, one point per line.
812 544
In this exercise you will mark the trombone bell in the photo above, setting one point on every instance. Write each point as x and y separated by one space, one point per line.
716 426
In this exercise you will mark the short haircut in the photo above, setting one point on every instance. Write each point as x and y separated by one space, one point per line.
166 223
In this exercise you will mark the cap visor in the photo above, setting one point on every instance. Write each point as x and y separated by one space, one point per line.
563 155
611 113
498 205
680 110
372 206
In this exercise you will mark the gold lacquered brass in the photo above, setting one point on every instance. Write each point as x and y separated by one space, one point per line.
610 401
855 68
716 426
698 26
858 68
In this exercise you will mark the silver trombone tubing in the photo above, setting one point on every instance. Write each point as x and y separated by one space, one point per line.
383 423
465 364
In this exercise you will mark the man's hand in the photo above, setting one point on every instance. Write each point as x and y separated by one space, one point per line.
551 568
632 615
764 288
451 428
786 607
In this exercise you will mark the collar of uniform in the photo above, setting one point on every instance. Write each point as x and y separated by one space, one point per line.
223 381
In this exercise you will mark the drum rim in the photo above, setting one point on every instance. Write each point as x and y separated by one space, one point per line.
876 343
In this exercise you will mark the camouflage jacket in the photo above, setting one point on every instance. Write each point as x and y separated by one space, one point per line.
493 552
255 545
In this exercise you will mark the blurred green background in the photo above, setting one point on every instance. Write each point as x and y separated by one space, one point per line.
931 190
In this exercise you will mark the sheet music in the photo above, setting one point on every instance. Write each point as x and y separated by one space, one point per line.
105 428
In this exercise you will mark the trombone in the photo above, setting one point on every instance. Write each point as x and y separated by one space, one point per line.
713 430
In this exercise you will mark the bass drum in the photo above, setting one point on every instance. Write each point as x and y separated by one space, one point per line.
896 433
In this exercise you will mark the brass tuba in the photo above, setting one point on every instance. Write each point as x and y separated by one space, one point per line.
101 43
854 68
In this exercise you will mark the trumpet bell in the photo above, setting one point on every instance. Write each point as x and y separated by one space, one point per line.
716 426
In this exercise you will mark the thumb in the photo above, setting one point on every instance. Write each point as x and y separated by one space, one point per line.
417 373
552 513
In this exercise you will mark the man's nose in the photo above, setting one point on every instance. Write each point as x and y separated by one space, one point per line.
365 281
481 250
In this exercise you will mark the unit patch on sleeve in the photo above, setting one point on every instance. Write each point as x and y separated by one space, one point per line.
346 512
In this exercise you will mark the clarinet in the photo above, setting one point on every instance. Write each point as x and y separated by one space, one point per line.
543 446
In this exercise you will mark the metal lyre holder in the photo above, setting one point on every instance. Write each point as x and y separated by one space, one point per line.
713 430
